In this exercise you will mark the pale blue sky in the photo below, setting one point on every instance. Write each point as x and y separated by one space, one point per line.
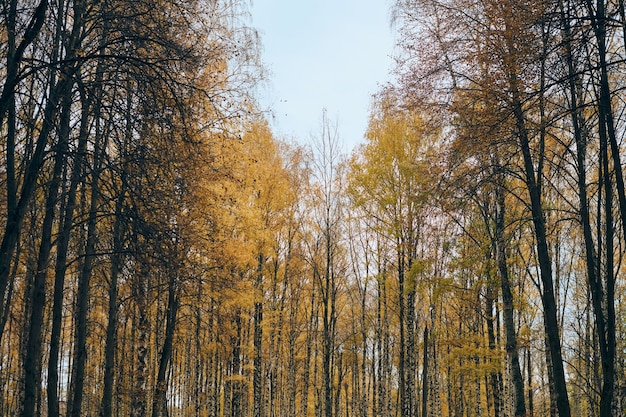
329 54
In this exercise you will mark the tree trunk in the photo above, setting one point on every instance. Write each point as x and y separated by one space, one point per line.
606 324
82 306
425 376
327 340
61 263
139 401
106 408
402 388
32 362
363 404
532 182
411 365
311 330
328 320
383 363
257 383
511 349
84 278
495 377
529 371
237 391
548 300
606 129
159 404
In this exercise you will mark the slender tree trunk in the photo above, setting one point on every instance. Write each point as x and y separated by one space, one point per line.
328 320
292 333
257 383
495 377
363 404
200 387
139 401
84 278
61 263
533 180
32 364
312 328
606 129
237 391
529 372
340 375
380 375
214 369
411 365
606 326
327 354
551 324
384 399
507 306
82 306
291 373
402 388
425 375
159 404
106 408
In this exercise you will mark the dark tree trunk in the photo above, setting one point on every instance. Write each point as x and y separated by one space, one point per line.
106 408
529 371
32 362
551 324
605 325
328 323
411 350
84 278
606 128
508 307
61 264
82 305
311 330
495 377
159 407
237 391
141 322
425 376
402 392
257 385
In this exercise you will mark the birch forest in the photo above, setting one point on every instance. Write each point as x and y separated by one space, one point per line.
164 253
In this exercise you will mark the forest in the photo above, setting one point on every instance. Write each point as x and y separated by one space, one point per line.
164 253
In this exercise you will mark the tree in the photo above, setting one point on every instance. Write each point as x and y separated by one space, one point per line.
389 179
326 256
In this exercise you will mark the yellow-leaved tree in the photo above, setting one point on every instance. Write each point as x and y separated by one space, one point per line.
391 181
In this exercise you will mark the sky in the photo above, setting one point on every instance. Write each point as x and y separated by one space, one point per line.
325 54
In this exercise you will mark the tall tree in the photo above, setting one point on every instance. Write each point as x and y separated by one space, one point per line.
389 178
326 260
